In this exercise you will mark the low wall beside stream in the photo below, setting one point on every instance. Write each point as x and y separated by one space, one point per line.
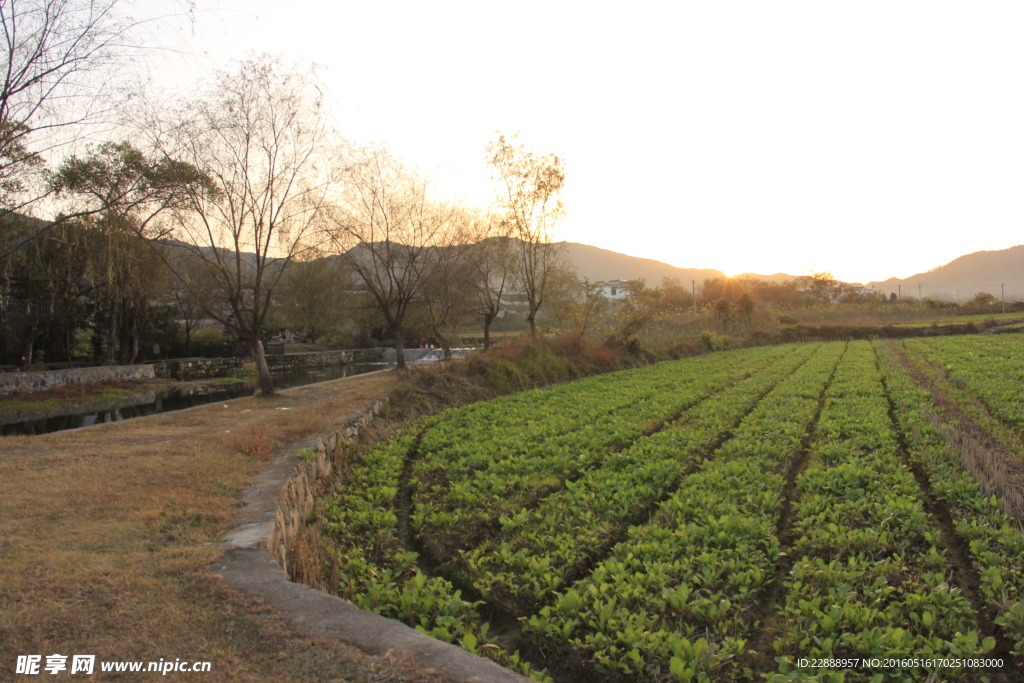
205 368
29 382
184 369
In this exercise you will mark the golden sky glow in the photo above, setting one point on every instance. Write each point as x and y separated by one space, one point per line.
870 139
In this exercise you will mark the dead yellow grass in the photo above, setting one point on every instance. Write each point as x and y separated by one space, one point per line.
106 535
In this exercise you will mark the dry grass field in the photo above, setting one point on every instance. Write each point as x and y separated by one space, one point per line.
106 535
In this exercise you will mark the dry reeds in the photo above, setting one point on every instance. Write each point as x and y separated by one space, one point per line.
987 467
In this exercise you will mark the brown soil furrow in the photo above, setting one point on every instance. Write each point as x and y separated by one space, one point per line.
958 550
996 469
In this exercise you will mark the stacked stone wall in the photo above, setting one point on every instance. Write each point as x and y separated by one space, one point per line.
297 502
204 368
29 382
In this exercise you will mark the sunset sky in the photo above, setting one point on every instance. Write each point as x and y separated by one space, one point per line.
871 139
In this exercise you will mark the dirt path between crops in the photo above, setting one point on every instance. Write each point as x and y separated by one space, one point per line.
107 533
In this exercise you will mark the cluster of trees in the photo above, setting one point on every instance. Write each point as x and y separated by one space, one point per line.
227 205
807 290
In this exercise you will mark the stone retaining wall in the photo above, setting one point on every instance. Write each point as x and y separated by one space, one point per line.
303 360
41 381
197 368
203 368
297 501
189 369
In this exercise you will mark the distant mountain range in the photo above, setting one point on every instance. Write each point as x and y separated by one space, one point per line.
597 264
959 279
964 277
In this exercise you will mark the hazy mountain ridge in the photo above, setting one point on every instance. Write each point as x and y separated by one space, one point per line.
598 264
965 276
961 278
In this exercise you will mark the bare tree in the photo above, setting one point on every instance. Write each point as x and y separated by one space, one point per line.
64 65
261 134
449 287
494 266
189 287
636 311
531 204
386 230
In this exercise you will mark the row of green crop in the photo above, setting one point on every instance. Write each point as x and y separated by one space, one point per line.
374 568
508 427
995 540
992 368
493 476
675 598
538 550
873 577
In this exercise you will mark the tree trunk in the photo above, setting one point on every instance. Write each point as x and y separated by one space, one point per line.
133 354
29 344
266 381
111 350
135 350
487 319
399 347
533 325
188 341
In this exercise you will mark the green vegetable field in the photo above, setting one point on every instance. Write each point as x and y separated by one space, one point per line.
810 512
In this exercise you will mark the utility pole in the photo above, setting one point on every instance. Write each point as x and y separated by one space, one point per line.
1002 287
918 291
693 287
899 288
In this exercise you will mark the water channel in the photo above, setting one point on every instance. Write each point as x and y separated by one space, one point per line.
148 403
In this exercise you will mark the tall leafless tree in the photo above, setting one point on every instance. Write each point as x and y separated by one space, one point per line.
449 287
493 260
64 66
386 230
261 133
530 199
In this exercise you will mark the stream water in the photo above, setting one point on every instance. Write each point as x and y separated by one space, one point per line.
149 403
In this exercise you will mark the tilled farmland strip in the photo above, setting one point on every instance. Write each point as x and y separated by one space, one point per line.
994 540
510 427
539 550
991 368
871 578
375 570
372 567
671 599
455 514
